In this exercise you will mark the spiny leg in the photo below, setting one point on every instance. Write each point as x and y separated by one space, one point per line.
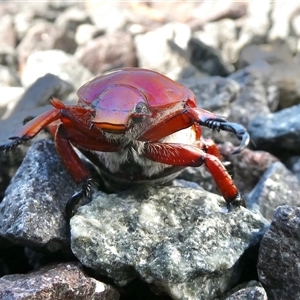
65 136
193 155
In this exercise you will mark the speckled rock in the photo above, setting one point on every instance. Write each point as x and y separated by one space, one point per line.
182 240
104 53
248 166
60 281
279 259
278 186
249 293
277 132
169 42
32 211
66 67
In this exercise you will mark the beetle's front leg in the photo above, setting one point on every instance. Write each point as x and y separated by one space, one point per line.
195 116
196 155
66 135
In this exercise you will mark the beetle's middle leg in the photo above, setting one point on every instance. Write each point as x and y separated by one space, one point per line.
195 155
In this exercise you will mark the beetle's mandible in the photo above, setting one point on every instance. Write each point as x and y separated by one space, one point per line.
137 126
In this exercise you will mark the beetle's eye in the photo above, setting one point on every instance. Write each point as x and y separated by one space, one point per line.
141 109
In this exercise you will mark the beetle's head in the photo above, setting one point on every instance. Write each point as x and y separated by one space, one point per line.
118 107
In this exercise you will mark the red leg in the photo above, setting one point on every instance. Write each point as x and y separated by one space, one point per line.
73 163
67 135
194 116
192 155
177 121
52 117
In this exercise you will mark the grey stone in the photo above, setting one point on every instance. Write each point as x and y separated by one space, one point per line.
8 57
65 67
102 13
9 95
270 53
32 211
85 33
258 95
7 33
278 186
277 132
183 241
8 77
249 293
293 164
280 18
214 93
279 259
206 58
104 53
60 281
287 78
247 167
40 36
33 102
169 43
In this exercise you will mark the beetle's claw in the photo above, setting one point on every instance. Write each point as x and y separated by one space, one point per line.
16 141
237 129
237 202
83 194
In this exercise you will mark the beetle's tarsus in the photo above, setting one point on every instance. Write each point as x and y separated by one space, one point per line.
72 203
12 145
237 202
237 129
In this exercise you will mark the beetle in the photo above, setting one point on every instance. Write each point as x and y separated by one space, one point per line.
136 125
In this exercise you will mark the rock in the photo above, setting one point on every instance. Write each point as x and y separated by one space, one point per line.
32 211
85 33
8 77
169 43
66 24
7 34
41 91
8 57
287 78
9 95
40 36
33 102
257 95
278 186
60 281
247 167
214 93
293 164
182 240
102 14
278 53
280 20
249 293
65 67
199 176
220 35
104 53
279 260
277 132
207 59
254 28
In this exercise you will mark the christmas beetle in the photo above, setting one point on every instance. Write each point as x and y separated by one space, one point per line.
137 126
